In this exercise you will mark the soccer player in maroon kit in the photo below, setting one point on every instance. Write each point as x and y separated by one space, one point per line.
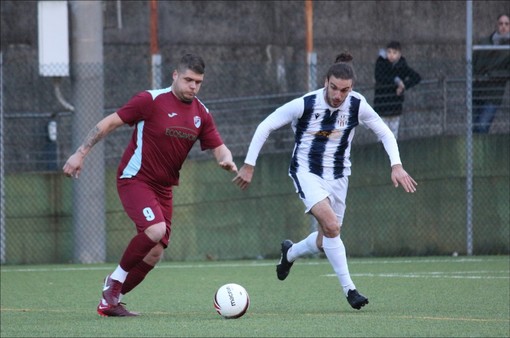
167 124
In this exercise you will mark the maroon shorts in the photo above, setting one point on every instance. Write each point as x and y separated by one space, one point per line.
146 205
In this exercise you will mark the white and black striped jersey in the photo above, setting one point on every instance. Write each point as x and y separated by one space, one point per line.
323 135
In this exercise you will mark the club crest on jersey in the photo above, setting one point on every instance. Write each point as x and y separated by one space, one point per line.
197 121
342 120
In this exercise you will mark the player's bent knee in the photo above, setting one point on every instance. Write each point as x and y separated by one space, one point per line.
331 232
156 231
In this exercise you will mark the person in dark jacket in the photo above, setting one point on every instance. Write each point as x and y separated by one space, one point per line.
491 71
392 78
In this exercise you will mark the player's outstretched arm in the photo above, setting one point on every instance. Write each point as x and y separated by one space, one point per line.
244 176
74 163
400 176
224 158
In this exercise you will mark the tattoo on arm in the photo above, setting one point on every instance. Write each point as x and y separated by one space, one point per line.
95 135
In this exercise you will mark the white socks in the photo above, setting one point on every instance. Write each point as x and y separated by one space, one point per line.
335 251
119 274
307 246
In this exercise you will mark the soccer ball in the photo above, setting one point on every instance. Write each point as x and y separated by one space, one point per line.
231 301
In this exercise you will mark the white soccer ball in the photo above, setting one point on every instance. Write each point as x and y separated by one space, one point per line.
231 301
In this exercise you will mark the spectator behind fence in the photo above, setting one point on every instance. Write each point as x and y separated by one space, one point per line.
392 77
167 123
491 71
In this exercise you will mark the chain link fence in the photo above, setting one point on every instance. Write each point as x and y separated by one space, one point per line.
212 218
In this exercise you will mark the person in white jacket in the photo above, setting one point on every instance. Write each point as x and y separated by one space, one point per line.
324 122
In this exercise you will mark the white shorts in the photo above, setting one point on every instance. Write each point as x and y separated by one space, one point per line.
312 189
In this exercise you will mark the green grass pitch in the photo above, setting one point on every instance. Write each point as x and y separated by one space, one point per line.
409 297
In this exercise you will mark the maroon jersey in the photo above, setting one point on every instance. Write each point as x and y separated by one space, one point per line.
165 130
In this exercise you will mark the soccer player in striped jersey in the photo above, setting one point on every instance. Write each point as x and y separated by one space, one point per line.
167 123
324 122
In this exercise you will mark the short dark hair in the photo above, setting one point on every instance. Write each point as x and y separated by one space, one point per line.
344 57
192 62
394 45
342 68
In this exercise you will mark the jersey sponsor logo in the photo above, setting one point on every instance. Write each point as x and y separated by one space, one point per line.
331 134
197 121
172 114
180 134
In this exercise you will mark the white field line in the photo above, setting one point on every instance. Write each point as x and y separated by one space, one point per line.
256 263
449 274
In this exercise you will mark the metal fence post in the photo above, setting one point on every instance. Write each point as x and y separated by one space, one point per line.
469 131
89 190
2 164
